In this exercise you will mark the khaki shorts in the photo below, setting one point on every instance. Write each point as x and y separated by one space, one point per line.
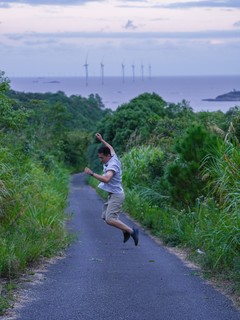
113 206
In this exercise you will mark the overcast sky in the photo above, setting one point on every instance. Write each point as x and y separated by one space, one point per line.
174 37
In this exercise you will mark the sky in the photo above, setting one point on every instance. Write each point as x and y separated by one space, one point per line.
147 37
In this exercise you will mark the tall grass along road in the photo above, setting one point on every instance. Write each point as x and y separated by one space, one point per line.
103 278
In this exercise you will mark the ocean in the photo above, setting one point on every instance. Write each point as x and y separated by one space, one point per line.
115 91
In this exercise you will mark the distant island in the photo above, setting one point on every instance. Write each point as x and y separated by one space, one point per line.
230 96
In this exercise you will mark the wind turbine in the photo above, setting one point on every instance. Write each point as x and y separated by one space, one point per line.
142 71
102 72
149 72
86 70
133 72
123 72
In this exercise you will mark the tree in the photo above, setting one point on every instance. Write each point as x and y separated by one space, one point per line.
138 118
10 117
183 176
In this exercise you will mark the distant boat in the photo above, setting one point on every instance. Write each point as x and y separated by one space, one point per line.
53 81
230 96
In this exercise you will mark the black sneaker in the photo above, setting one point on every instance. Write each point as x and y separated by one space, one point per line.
134 235
126 236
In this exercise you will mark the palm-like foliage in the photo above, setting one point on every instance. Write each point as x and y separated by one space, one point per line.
142 165
3 194
223 173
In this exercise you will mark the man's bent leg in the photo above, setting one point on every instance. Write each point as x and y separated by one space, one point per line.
119 224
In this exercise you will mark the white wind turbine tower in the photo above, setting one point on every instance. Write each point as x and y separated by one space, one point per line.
142 71
149 72
123 72
102 72
86 71
133 72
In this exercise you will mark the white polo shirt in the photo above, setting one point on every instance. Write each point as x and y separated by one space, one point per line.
115 184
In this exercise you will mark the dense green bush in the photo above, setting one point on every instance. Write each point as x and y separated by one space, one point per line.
58 126
141 165
222 174
75 145
32 219
11 119
132 123
182 175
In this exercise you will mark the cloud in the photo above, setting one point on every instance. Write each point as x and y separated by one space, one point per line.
127 3
159 19
5 4
237 24
130 25
43 42
211 34
203 4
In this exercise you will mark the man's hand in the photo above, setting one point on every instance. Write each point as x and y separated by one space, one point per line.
88 171
105 178
99 137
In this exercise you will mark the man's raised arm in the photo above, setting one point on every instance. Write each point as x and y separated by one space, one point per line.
100 138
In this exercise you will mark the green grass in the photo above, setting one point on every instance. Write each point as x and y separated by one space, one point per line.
33 213
6 296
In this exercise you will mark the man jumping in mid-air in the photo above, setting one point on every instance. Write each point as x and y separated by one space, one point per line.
111 181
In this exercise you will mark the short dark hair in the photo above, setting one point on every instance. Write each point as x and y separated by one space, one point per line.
104 150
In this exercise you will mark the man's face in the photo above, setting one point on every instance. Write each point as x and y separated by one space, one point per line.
103 158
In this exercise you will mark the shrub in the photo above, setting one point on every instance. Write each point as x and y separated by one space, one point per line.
141 166
32 212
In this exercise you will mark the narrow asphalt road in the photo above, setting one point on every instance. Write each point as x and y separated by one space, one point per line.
103 278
